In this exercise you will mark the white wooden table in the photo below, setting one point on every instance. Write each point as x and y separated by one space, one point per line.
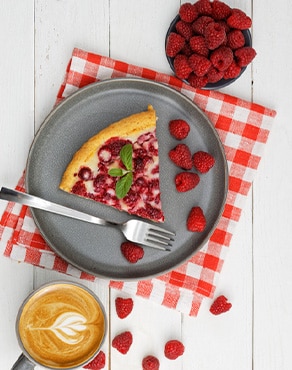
37 38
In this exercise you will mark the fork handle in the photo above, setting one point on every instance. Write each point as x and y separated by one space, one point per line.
45 205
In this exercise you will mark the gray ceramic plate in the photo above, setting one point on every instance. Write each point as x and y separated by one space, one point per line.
96 249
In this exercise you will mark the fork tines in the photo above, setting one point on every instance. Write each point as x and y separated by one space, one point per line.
159 238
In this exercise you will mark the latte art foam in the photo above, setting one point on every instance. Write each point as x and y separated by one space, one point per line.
61 326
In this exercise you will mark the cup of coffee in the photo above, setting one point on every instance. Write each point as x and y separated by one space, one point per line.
61 325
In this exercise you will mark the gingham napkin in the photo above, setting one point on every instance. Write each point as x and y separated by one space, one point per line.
243 128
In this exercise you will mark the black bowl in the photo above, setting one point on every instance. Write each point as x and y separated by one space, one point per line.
210 86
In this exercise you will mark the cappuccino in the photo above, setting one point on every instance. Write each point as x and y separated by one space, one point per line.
61 326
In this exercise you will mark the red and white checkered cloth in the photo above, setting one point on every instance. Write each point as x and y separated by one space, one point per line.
243 128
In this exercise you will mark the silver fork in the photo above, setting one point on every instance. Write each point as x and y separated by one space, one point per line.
137 231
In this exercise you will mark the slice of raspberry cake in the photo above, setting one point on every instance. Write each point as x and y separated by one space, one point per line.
120 167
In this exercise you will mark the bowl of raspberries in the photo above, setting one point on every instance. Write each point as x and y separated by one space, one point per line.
208 44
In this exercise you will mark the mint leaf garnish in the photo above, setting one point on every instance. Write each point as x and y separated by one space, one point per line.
123 185
126 155
117 172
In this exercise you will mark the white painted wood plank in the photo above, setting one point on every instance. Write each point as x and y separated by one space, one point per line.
272 192
17 97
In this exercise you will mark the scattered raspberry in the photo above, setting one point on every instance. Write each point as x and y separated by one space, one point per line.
244 55
214 75
221 58
97 363
220 305
214 35
232 71
235 39
188 12
181 66
181 156
196 220
199 46
203 161
238 19
204 7
184 29
150 363
179 128
132 252
185 181
199 64
174 44
196 81
220 10
124 307
173 349
200 24
122 342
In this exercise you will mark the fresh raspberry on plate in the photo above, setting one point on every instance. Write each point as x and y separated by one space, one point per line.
200 24
184 29
232 71
185 181
124 307
150 363
122 342
220 305
220 10
221 58
214 35
181 156
238 19
179 128
174 44
188 12
204 7
235 39
196 81
244 56
214 75
97 363
181 66
132 252
199 64
173 349
198 45
196 220
203 161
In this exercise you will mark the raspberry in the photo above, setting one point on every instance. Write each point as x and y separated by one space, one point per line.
244 56
186 50
132 252
97 363
184 29
238 19
220 305
181 66
198 45
235 39
196 221
214 35
197 82
150 363
221 58
173 349
122 342
179 128
232 71
174 44
220 10
188 12
203 7
203 161
214 75
200 24
199 64
124 307
185 181
181 156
